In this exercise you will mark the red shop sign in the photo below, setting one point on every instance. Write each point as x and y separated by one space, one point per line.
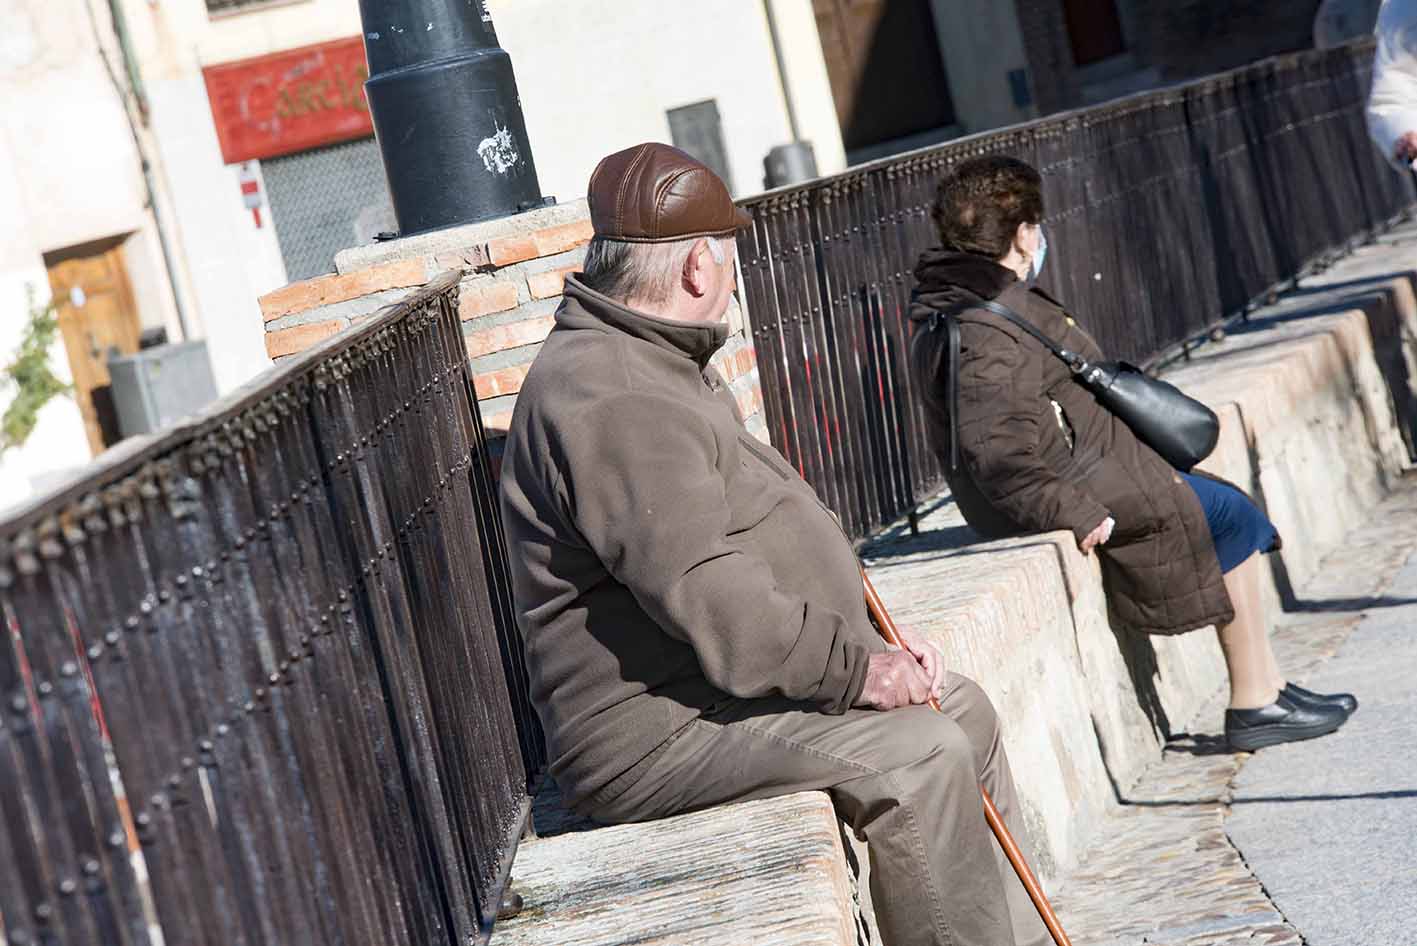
290 101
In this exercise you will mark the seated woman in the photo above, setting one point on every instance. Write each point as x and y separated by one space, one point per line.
1033 451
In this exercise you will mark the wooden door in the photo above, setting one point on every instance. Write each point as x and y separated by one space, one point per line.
1095 30
887 74
97 316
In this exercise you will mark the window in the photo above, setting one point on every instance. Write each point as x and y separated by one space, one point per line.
326 200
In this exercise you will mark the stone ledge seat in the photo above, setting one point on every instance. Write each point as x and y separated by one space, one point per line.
1308 423
770 871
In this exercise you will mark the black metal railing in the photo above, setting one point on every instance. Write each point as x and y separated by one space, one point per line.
1167 213
261 677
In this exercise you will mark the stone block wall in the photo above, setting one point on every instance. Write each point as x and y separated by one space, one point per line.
513 270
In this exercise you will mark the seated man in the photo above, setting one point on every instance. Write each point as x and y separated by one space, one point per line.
693 615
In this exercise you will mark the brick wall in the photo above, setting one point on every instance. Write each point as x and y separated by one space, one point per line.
514 270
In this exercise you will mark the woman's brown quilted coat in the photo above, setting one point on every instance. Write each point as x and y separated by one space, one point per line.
1019 409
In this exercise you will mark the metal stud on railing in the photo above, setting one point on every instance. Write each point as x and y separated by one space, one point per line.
47 537
23 547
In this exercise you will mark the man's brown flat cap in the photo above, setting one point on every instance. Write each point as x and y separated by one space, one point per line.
653 193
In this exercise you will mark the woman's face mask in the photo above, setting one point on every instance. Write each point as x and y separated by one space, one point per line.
1039 255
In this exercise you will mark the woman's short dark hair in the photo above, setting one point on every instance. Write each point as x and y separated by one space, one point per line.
980 204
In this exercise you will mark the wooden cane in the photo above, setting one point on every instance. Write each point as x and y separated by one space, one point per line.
888 630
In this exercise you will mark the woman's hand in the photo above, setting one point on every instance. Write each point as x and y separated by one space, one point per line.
1098 536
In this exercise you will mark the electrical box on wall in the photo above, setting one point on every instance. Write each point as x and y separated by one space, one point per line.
157 386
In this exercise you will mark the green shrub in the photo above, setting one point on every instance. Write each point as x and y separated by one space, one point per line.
27 376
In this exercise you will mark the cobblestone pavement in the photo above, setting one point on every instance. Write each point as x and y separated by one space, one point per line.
1163 871
1327 825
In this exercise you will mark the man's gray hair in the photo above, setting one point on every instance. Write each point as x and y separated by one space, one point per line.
645 273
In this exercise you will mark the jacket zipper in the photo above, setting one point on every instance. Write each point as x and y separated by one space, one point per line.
746 441
757 452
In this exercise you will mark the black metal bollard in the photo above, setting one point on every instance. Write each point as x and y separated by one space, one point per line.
446 113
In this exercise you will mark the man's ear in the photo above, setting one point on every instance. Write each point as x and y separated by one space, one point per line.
695 277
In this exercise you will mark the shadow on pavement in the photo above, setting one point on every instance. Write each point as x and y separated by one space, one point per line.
1198 744
1319 605
1264 799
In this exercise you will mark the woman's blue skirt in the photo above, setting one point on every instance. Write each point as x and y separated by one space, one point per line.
1236 524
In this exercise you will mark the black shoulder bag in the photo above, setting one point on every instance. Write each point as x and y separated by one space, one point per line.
1179 428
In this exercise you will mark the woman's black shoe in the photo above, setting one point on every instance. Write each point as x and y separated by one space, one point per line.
1281 721
1302 697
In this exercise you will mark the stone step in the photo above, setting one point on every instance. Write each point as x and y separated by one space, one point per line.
770 872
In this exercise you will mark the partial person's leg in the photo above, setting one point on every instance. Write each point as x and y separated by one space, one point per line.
907 781
1255 679
1249 654
1264 711
967 704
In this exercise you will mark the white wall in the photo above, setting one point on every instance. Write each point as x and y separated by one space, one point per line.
810 85
981 44
59 443
173 36
229 261
68 174
226 261
598 77
63 130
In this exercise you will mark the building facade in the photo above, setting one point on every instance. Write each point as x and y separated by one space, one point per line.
1081 52
85 224
164 163
909 73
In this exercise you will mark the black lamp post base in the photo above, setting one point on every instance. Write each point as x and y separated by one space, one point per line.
446 112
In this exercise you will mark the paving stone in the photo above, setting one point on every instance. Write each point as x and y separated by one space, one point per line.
1327 824
1161 870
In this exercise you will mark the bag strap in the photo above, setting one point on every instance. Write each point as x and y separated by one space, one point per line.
1072 359
953 350
949 361
949 318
